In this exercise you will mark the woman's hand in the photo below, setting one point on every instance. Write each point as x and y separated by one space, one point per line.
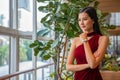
83 36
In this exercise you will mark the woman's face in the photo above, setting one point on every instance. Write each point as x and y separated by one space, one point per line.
85 22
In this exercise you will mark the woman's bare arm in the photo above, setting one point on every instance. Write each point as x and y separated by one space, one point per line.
91 59
70 66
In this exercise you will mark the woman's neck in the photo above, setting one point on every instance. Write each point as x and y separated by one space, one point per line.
91 34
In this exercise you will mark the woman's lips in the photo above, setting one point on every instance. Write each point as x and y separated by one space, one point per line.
82 26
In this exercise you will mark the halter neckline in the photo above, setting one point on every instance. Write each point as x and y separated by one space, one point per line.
91 34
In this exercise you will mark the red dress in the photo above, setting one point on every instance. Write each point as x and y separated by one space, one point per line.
87 74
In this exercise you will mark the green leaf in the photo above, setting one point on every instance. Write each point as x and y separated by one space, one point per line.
35 43
41 8
46 24
74 27
42 53
46 57
64 6
50 41
50 21
46 33
44 19
99 12
43 32
103 15
70 34
55 43
46 48
112 27
51 4
58 29
36 51
52 74
96 3
41 43
42 0
32 45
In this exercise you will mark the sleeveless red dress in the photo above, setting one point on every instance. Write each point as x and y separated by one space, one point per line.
87 74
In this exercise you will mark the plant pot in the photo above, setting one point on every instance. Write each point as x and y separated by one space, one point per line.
110 75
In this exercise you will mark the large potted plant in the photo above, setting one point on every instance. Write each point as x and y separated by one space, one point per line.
61 18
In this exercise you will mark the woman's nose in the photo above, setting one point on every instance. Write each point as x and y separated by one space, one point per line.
81 23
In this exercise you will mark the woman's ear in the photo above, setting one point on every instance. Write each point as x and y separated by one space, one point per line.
93 21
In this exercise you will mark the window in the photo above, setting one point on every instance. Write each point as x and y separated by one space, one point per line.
4 55
17 29
114 47
4 13
114 18
25 54
25 16
25 4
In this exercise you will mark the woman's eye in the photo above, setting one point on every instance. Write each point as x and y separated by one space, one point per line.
79 19
85 19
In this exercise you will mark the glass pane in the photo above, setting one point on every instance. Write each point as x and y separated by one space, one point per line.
114 19
114 47
4 13
40 26
25 55
4 55
117 19
39 17
44 73
113 58
26 76
25 22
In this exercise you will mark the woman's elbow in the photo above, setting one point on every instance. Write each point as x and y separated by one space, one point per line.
93 66
68 67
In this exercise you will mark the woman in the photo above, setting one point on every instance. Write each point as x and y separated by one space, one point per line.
88 49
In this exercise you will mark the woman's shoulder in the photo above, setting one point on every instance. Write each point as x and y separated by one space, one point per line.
75 39
104 37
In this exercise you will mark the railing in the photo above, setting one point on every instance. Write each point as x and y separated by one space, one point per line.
23 72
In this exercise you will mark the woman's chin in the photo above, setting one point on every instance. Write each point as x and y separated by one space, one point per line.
84 30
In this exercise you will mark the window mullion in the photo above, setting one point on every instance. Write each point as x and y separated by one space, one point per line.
14 39
34 58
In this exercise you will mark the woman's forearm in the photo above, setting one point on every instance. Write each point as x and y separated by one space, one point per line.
76 67
93 61
89 55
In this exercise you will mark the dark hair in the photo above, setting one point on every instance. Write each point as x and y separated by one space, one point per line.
93 15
